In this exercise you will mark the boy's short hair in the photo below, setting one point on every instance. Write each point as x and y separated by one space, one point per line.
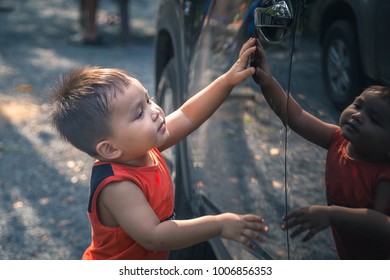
384 92
81 108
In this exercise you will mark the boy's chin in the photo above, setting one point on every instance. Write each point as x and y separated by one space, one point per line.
348 132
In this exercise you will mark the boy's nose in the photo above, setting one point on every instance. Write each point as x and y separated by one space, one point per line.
357 116
155 114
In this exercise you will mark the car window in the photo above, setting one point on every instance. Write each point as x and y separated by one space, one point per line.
382 43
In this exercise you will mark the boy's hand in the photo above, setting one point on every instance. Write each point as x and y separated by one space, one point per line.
312 219
240 69
262 74
242 228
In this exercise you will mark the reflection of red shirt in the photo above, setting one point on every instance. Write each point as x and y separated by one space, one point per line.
156 184
352 183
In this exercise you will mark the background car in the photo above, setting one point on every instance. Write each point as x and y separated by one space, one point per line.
354 44
242 159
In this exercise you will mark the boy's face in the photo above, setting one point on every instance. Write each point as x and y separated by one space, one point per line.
137 123
366 125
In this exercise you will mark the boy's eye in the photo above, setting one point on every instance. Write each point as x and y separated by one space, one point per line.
140 114
375 119
149 99
357 105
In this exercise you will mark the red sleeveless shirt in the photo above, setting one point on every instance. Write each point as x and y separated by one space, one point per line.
156 184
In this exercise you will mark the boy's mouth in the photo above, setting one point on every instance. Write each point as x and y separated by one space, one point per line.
352 125
162 127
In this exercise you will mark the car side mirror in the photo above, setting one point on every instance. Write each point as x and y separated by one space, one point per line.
273 20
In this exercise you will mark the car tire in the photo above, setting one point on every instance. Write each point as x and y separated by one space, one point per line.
341 64
167 98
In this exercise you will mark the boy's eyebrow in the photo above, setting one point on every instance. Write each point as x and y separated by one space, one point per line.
358 98
134 105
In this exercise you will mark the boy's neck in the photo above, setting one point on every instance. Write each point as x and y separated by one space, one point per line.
143 161
357 155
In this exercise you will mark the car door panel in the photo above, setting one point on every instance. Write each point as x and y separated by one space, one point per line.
243 159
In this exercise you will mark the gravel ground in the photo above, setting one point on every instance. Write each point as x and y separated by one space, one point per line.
44 181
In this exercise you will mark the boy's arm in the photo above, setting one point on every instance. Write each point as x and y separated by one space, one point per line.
315 218
365 221
382 197
195 111
128 206
286 108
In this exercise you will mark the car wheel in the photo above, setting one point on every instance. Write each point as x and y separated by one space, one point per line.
341 64
167 98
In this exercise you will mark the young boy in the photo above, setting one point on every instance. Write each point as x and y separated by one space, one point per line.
108 114
358 160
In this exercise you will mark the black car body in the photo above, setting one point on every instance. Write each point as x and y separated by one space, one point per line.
237 161
355 45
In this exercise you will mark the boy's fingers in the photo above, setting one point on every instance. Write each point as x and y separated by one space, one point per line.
300 229
250 42
294 222
245 56
246 242
253 235
309 235
253 218
293 214
256 228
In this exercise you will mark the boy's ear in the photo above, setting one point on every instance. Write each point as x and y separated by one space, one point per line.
107 150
